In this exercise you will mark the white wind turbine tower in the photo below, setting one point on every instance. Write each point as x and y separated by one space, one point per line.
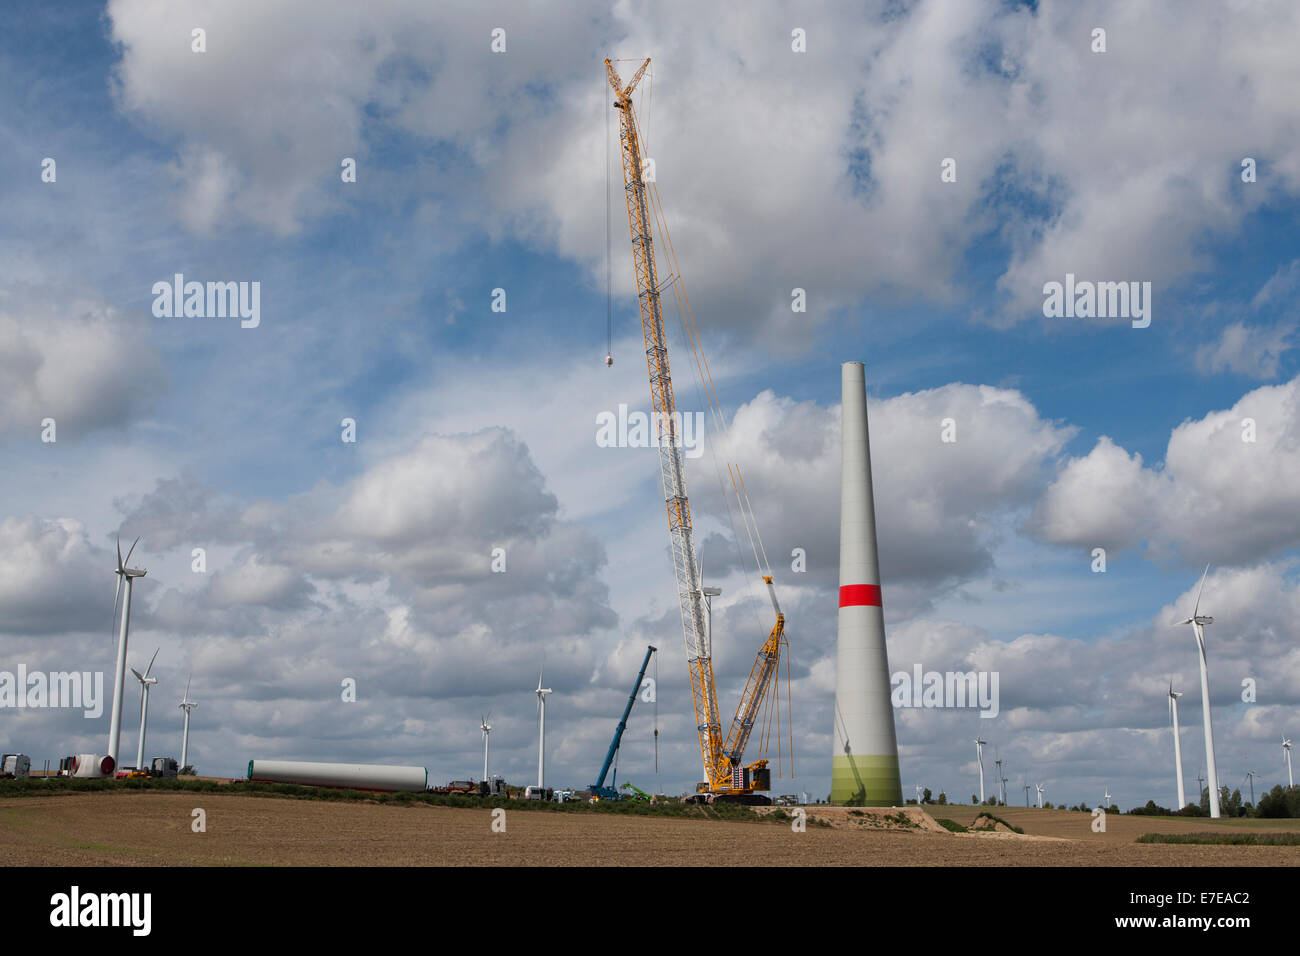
1286 749
1105 801
119 675
145 683
1040 788
541 730
1198 622
487 729
998 780
186 705
1178 744
979 752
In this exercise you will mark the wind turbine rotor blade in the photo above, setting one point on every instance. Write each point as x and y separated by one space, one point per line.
119 553
151 660
117 596
187 687
138 675
1197 606
129 552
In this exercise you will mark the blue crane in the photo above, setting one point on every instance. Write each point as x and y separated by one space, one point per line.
598 789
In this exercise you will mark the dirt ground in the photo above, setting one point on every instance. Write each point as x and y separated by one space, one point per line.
151 829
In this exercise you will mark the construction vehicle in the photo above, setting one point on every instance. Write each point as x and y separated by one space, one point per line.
639 794
163 767
15 766
727 778
462 787
598 789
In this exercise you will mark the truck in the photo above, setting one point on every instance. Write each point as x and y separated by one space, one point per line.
15 766
538 793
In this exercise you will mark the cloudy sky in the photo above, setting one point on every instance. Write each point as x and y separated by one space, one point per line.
779 169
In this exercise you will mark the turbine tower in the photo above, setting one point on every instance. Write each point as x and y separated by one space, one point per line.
487 729
145 683
186 705
541 730
998 779
1198 622
1105 801
1286 749
979 752
1178 745
1040 788
128 575
864 754
1251 775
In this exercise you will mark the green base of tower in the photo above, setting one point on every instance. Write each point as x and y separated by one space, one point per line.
864 781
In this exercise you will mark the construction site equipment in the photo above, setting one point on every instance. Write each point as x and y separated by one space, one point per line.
639 793
94 766
164 767
378 777
598 789
15 766
726 776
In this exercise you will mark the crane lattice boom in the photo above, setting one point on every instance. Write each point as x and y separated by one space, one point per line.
722 761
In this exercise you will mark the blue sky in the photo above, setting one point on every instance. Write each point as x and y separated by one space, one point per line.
476 428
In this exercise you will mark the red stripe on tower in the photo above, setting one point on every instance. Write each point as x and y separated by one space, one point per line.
860 595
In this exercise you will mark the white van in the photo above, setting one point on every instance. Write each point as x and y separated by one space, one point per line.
537 793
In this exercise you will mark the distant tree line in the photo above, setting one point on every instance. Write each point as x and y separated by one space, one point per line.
1279 803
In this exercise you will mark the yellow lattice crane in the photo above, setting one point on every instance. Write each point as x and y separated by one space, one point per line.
726 777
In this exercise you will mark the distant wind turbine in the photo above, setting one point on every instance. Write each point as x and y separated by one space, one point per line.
541 731
1178 745
487 729
128 575
1286 749
186 705
1040 788
979 752
1198 622
145 683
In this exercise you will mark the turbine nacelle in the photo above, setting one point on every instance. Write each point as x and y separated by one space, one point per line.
144 679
